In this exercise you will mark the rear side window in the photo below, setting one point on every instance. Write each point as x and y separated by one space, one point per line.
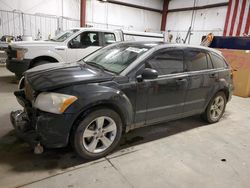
109 38
218 62
196 60
166 62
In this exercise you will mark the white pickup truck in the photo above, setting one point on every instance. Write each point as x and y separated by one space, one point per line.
69 46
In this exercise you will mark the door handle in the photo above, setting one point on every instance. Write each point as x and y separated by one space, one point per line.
196 77
180 80
60 48
213 75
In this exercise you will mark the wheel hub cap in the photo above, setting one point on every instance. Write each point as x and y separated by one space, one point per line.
99 134
217 108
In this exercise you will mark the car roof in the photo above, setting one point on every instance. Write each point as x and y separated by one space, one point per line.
160 45
92 29
192 46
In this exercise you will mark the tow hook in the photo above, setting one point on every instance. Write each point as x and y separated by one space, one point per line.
38 149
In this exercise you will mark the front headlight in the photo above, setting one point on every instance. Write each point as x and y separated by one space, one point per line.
20 53
53 102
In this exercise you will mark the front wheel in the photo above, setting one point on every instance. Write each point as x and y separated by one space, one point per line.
18 76
215 108
97 134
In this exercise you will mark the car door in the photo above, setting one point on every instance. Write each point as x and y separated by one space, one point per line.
164 96
83 44
201 80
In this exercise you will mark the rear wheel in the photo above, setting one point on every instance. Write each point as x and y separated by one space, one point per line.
215 108
97 134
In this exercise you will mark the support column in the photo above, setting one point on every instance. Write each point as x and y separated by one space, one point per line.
164 15
82 13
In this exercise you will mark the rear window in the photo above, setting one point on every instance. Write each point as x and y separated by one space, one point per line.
109 38
218 62
196 60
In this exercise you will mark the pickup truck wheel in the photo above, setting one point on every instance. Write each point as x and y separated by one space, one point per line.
18 76
97 134
215 108
39 63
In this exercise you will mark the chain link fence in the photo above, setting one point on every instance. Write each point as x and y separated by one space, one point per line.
37 26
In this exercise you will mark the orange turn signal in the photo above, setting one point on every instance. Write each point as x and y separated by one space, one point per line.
66 103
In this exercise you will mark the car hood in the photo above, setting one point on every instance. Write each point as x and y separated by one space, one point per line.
57 75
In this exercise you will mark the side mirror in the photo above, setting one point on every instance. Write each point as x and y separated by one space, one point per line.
73 44
70 44
148 74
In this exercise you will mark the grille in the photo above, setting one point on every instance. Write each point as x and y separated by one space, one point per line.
3 56
11 53
3 53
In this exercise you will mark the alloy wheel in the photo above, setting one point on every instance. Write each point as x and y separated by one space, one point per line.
217 108
99 134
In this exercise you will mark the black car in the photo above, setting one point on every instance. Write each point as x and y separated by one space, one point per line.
92 102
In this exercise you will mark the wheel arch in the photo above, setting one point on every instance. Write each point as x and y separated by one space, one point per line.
43 58
92 107
206 114
224 90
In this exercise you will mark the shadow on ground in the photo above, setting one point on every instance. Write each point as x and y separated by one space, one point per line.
17 154
7 83
20 158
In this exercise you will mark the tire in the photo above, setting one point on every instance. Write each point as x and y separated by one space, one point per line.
216 108
18 76
92 140
42 62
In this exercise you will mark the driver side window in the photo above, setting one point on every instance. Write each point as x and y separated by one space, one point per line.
166 62
85 40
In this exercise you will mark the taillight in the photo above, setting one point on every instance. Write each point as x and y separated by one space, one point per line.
231 70
232 74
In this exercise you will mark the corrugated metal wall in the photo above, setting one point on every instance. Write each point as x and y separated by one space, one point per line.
29 21
202 21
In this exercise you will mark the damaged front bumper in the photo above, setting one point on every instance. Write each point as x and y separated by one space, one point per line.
22 127
41 128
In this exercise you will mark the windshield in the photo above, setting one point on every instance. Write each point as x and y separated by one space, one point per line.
118 57
64 35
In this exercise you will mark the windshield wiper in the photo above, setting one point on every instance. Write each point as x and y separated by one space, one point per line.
95 65
98 66
91 63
